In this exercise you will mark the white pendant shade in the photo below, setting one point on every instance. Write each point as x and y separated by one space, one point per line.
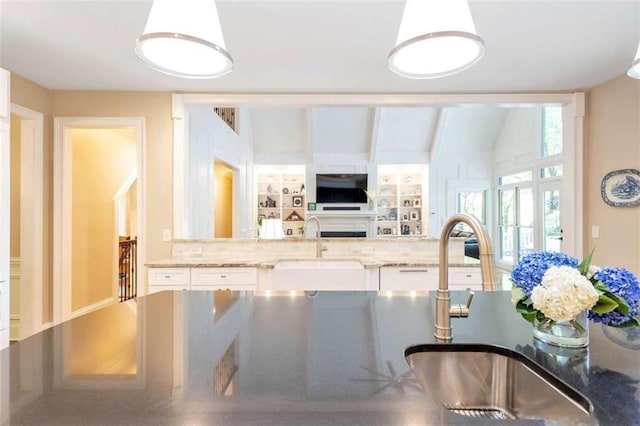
634 71
184 38
436 38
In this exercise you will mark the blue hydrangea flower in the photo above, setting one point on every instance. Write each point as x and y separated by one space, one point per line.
623 284
529 271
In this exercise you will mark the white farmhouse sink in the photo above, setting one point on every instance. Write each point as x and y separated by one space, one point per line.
319 274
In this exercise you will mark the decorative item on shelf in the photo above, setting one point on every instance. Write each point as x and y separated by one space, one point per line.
289 231
409 180
271 203
417 202
262 205
293 216
386 231
407 203
302 190
405 230
269 189
393 214
371 196
543 279
384 203
405 217
285 191
296 200
415 215
301 229
311 207
385 180
621 188
261 218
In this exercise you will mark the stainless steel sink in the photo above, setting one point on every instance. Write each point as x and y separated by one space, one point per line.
493 382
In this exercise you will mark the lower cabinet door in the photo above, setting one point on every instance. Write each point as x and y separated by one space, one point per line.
410 278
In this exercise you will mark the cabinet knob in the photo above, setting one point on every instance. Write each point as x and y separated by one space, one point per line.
223 276
167 276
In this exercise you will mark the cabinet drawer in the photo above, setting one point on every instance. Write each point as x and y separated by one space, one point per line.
169 276
410 278
465 277
224 277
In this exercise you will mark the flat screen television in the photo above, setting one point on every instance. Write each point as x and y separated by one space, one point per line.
341 188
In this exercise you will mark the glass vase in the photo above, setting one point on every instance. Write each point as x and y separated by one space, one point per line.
567 334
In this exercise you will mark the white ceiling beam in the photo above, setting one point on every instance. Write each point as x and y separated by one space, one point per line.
373 144
438 133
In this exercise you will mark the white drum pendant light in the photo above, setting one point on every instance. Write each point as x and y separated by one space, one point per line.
634 71
436 38
184 38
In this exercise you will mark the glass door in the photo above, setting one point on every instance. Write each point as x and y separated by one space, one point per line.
516 223
506 224
551 229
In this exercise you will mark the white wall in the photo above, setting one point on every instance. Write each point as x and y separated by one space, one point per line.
209 139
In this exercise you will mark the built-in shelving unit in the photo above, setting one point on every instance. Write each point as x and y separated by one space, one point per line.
281 194
399 200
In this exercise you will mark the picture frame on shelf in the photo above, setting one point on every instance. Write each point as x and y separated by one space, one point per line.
415 215
289 231
417 202
311 207
407 203
405 217
296 201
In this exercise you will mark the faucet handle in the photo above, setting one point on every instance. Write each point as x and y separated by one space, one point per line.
462 311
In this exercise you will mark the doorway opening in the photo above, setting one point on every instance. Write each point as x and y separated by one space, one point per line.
222 200
98 195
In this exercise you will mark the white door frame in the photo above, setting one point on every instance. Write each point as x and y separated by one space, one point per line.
31 219
5 162
62 172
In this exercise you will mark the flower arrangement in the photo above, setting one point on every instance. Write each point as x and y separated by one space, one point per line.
552 287
371 195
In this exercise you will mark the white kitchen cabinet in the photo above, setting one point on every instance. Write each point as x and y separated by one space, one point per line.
409 278
161 279
461 278
224 278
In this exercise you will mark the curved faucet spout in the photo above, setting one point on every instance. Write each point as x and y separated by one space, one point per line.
444 311
319 247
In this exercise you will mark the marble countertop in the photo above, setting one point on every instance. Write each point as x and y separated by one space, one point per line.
239 358
270 262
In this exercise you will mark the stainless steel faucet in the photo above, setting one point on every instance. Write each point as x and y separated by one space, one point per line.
319 247
444 310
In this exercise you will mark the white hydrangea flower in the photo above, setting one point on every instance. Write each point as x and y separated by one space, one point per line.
593 269
563 293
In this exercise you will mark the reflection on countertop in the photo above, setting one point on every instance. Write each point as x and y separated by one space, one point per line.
239 358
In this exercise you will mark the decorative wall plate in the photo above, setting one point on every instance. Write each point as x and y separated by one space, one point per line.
621 188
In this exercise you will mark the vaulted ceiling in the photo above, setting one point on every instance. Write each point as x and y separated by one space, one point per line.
382 134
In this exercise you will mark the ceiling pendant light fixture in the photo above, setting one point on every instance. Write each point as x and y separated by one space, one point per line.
634 71
436 38
184 39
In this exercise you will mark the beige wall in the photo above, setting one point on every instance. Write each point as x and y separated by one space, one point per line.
102 159
155 107
30 95
612 142
223 201
14 214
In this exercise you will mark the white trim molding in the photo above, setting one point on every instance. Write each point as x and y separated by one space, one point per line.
31 218
94 307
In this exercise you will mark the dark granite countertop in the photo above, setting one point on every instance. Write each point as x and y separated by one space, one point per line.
223 358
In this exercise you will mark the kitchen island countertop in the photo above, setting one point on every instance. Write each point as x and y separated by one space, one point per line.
239 358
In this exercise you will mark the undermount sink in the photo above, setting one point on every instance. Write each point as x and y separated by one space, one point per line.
318 274
489 381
